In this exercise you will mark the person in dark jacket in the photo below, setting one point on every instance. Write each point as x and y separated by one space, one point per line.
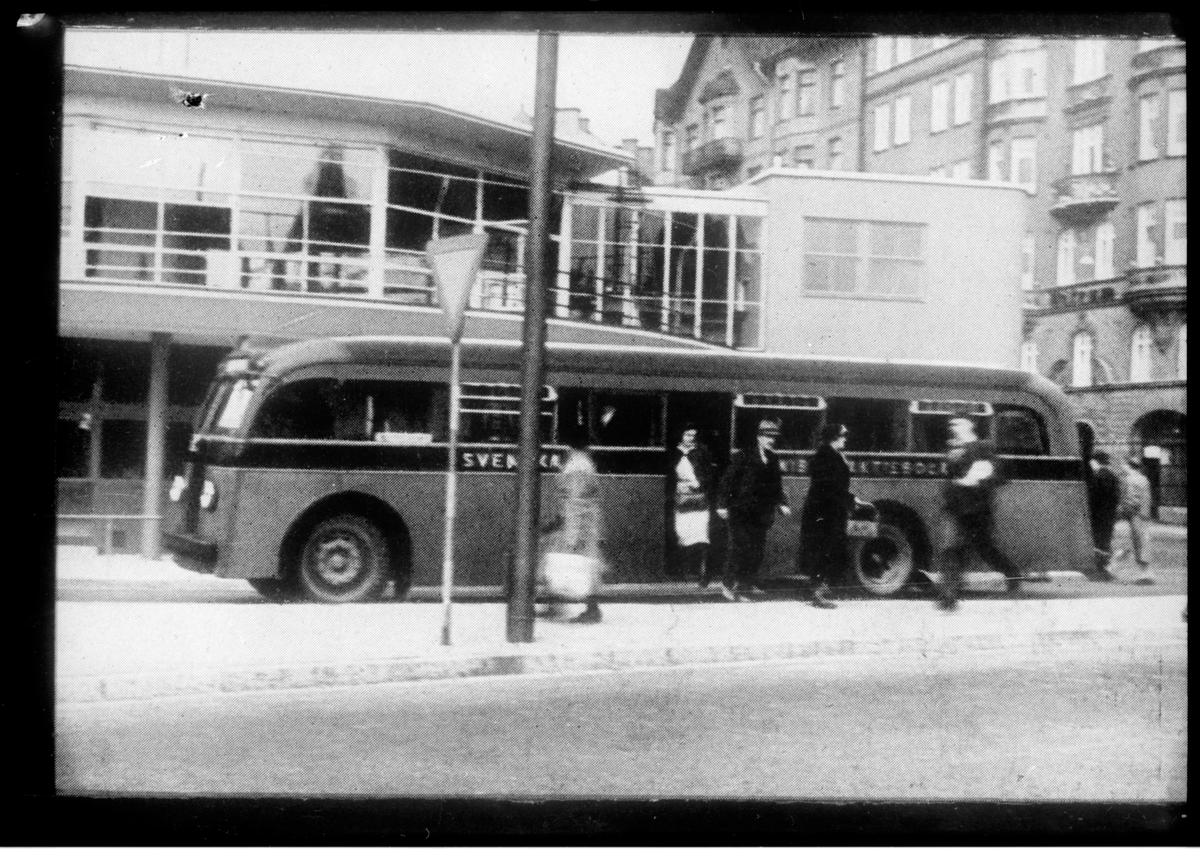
689 493
824 548
1104 497
751 492
972 473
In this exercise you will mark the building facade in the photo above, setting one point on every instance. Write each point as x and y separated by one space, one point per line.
1093 130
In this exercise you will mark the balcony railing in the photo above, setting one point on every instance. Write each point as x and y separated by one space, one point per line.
719 153
1157 55
1156 290
1082 95
1017 109
1094 293
1085 196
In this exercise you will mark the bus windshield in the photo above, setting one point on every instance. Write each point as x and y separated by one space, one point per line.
226 407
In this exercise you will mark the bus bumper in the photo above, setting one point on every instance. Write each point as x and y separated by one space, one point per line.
191 552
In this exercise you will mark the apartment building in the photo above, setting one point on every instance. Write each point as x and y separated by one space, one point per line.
1093 130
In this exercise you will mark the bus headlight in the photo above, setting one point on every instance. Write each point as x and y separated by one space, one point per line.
177 487
208 496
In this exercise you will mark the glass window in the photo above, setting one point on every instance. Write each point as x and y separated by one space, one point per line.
1089 60
693 137
902 132
783 108
1177 122
1028 244
1139 355
807 87
1087 150
939 112
1024 163
804 156
881 127
717 124
1029 357
1066 258
904 48
1105 235
1147 247
799 419
844 256
1175 221
491 413
668 151
963 89
1147 125
758 118
627 419
996 161
837 156
875 425
1020 431
1181 353
300 410
837 91
1081 371
883 53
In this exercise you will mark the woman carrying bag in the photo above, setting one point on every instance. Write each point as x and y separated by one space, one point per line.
689 488
572 565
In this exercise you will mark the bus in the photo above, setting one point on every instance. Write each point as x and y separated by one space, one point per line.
317 468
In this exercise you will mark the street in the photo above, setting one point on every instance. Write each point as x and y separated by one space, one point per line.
1090 720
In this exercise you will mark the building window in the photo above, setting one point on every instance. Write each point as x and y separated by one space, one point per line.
996 162
883 53
837 90
1081 369
1146 247
804 156
852 257
807 90
1066 258
964 85
1020 74
1105 237
783 109
1181 353
837 156
881 127
1028 244
904 48
668 151
1139 355
1147 119
717 124
693 137
758 117
961 170
1087 150
1089 60
939 111
1029 357
1024 163
1175 229
1177 122
902 128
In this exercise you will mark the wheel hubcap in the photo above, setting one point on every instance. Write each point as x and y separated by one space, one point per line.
339 560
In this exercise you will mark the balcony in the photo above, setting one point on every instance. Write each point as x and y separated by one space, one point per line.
1017 109
1077 296
1083 95
1083 197
1157 291
723 154
1161 57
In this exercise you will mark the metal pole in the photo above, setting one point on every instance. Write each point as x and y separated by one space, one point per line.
451 496
525 555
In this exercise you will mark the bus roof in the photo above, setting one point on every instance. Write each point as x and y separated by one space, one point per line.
680 362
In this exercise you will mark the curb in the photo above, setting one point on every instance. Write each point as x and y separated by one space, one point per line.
146 686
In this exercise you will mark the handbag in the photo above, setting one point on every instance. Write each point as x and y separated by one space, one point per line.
570 576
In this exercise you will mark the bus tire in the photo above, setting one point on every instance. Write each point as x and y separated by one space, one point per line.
344 559
883 565
274 589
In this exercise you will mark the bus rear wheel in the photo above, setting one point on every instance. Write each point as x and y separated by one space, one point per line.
883 565
345 559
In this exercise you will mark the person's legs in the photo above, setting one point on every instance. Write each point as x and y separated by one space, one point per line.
1137 539
985 544
748 569
954 558
738 552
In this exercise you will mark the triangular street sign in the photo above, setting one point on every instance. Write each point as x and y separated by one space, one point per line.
455 262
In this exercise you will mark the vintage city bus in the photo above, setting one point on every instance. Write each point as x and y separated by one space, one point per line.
318 468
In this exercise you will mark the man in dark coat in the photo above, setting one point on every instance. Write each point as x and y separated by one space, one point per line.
972 474
824 548
751 491
1104 497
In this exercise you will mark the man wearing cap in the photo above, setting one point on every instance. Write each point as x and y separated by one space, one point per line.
750 493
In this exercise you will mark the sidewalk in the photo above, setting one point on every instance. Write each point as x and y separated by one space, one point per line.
144 650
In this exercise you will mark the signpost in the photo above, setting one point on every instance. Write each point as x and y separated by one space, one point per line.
455 263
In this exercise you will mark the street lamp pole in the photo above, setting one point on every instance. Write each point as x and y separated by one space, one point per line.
525 555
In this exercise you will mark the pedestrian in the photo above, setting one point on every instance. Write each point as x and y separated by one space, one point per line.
972 476
751 492
577 532
1104 497
1134 508
824 547
690 481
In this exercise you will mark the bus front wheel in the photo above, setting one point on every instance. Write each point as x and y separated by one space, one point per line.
345 559
883 565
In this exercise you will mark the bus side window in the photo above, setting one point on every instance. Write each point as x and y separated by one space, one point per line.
298 411
876 425
1020 431
798 429
401 412
627 419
